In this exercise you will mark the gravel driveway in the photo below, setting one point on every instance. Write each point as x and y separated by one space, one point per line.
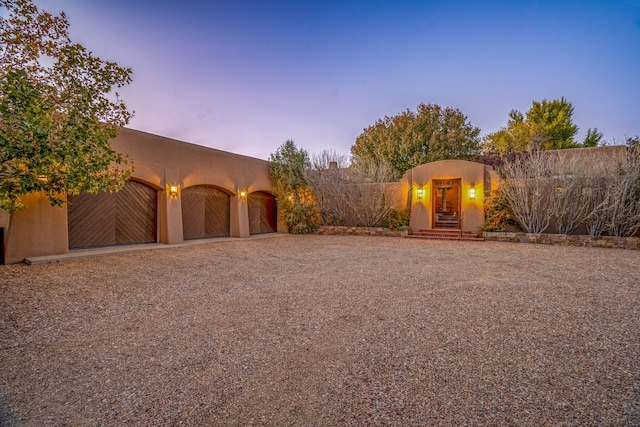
324 330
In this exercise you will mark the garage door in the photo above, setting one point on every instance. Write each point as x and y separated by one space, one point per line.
263 217
106 219
205 212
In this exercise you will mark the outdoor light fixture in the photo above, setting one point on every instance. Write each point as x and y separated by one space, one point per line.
472 193
173 191
243 195
419 194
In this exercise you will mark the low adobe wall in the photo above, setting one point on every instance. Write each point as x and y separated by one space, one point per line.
566 240
332 230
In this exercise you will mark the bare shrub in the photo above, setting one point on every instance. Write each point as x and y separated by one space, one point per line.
358 196
622 204
526 183
596 195
597 189
569 178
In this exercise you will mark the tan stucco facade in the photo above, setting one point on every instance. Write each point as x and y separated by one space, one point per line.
472 182
160 163
163 164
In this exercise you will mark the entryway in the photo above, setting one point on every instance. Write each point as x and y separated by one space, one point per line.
446 206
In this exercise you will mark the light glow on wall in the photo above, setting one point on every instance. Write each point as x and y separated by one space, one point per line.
173 191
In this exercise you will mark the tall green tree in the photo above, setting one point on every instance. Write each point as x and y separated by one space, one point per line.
296 206
554 119
547 125
58 110
412 138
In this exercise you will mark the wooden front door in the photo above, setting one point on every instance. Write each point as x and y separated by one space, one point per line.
446 203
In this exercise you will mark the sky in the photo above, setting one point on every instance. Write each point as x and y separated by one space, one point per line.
245 76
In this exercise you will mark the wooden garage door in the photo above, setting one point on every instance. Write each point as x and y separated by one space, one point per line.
205 212
106 219
263 217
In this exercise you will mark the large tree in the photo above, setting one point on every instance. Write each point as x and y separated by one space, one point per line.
412 138
547 125
58 110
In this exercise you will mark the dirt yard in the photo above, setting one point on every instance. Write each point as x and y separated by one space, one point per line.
323 331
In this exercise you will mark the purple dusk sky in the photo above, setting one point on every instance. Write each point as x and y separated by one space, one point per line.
245 76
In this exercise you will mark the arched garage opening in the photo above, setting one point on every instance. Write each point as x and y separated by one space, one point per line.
205 212
263 214
107 219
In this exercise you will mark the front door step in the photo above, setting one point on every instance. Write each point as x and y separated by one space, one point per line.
446 234
446 220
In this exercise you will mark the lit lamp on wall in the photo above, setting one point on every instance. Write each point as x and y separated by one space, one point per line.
243 195
419 194
173 191
472 193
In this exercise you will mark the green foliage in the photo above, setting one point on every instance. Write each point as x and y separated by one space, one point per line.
547 125
57 110
301 218
295 202
593 138
554 120
410 139
397 219
498 213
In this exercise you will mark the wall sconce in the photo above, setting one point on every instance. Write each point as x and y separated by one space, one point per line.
472 193
419 194
243 195
173 191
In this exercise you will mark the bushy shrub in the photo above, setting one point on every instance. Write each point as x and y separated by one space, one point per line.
301 219
397 219
498 213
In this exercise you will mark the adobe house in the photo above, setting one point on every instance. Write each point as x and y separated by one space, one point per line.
447 194
181 191
178 191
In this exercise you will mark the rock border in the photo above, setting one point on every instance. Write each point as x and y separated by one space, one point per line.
632 243
335 230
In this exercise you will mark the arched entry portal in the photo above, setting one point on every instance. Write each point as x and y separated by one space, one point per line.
446 209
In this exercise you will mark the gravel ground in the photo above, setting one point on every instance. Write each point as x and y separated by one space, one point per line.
324 330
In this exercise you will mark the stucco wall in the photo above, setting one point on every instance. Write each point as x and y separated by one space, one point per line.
163 162
159 162
158 159
40 229
471 174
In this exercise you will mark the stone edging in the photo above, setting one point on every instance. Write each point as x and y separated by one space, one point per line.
334 230
566 240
